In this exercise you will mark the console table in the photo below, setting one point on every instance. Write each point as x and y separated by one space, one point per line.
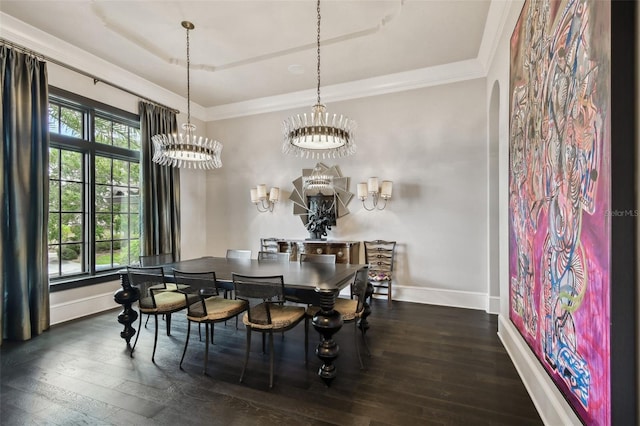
345 251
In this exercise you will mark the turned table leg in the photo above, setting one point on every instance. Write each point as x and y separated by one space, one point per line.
126 296
327 322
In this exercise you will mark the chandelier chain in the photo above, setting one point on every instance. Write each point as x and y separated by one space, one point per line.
188 82
318 10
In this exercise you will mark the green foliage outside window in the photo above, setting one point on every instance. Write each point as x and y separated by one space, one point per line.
114 215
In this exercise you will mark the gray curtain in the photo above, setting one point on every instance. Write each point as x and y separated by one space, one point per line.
24 191
160 186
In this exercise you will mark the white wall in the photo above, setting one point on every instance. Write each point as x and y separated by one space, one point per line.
430 142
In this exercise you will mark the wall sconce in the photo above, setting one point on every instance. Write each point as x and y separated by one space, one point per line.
265 201
376 192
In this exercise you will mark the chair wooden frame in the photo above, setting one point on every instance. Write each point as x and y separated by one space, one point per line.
380 256
266 312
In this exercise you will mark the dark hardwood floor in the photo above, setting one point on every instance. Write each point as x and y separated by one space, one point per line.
430 365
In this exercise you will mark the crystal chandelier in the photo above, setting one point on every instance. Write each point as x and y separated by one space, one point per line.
186 150
319 135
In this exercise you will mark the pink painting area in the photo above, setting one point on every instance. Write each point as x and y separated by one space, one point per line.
559 196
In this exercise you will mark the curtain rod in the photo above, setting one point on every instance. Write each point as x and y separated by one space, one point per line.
95 79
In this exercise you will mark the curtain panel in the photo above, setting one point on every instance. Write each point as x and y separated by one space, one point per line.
160 186
24 191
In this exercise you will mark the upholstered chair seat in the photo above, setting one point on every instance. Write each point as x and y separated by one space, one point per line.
205 305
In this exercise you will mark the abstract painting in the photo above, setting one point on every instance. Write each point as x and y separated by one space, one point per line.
559 196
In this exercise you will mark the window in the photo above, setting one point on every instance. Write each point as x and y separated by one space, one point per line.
94 188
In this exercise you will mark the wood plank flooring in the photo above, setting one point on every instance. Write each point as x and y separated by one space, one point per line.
430 365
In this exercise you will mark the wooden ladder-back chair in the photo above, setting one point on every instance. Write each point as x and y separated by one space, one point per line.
380 254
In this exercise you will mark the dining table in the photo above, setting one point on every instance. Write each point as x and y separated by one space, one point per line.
305 282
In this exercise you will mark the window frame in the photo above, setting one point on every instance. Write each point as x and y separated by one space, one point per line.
89 148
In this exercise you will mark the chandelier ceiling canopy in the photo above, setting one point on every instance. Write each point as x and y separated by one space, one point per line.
319 134
186 150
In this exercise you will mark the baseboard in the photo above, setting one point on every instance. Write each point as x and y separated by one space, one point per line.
493 305
551 405
67 311
436 296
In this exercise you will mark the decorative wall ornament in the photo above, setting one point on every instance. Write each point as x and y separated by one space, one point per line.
559 193
320 196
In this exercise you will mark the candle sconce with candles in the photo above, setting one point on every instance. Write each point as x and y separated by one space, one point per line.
376 192
265 201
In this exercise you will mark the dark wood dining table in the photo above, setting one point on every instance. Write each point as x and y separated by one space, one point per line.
307 282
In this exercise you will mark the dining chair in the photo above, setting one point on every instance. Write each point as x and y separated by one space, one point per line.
351 309
271 255
155 259
317 258
380 254
266 312
155 299
269 244
238 254
205 306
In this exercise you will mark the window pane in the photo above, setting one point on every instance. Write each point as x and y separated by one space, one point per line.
103 170
103 198
54 163
103 256
120 199
103 130
134 135
54 118
120 226
71 227
71 197
71 122
134 225
71 259
120 172
128 253
120 135
54 196
54 228
71 165
103 226
54 260
134 175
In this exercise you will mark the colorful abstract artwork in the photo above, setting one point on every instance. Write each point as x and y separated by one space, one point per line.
559 196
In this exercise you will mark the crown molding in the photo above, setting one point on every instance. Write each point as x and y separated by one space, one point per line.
391 83
45 44
50 47
496 20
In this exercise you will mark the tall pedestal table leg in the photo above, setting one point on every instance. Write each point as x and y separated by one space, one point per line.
327 322
126 296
